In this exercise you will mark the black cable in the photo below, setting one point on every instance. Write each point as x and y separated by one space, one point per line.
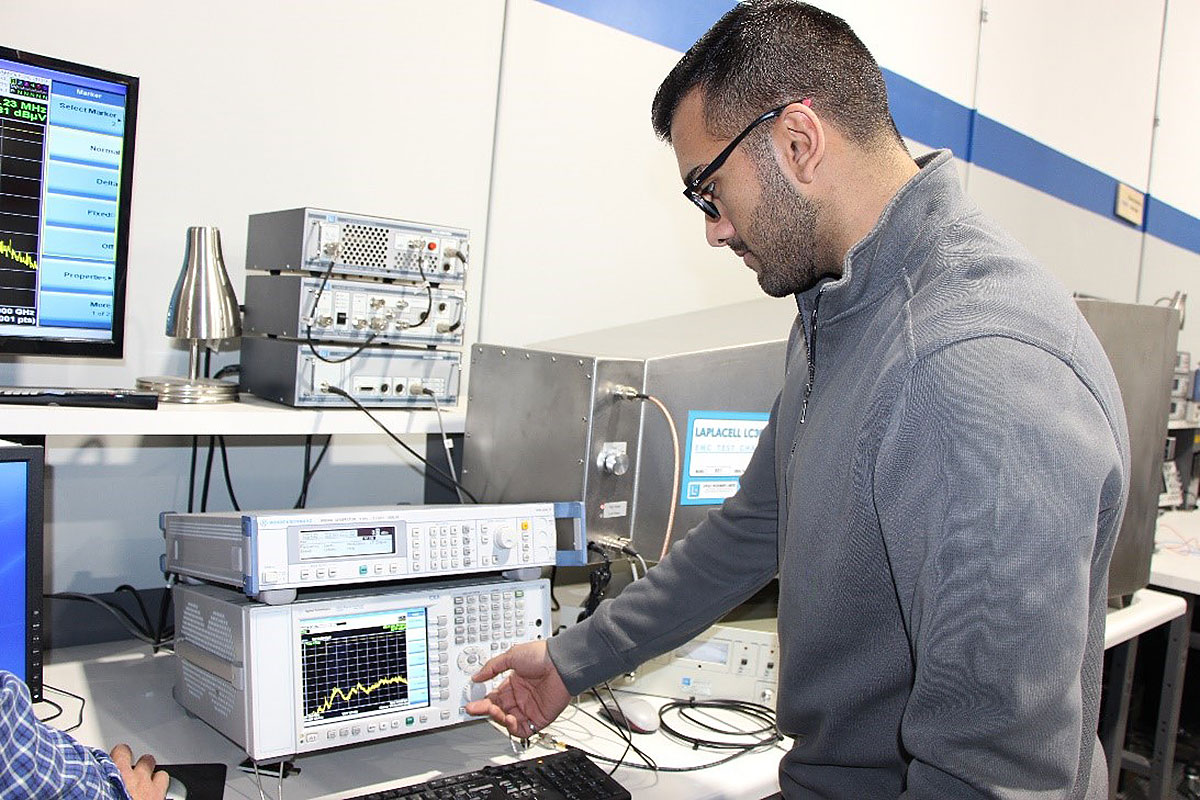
137 597
208 464
228 477
428 294
458 319
162 632
228 369
745 748
759 713
82 703
442 477
159 632
192 475
599 579
624 732
310 471
123 616
308 325
313 347
554 604
58 712
302 500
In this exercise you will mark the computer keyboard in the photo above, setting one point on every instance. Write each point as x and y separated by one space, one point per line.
94 398
568 775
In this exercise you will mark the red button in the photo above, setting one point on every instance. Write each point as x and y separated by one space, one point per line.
433 245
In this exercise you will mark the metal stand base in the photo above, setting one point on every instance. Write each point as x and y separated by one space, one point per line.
173 389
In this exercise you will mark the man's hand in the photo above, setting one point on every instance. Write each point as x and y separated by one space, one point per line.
141 781
532 696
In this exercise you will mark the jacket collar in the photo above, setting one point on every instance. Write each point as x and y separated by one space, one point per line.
907 222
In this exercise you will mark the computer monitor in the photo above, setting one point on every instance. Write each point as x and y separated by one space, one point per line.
66 171
21 493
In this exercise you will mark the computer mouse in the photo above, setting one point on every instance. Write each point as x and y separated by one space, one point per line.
176 790
632 713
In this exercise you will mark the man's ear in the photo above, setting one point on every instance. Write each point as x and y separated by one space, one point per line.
800 138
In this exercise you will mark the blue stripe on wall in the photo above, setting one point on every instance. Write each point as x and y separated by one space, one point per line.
676 25
1172 225
922 115
1002 150
927 117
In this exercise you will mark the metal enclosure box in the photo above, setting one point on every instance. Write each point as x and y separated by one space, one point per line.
319 240
1140 342
735 659
344 667
270 554
286 371
353 310
543 423
538 424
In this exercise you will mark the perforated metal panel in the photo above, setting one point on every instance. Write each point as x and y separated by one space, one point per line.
364 246
214 634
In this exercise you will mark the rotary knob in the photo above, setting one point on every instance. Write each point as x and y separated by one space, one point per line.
614 463
474 691
506 538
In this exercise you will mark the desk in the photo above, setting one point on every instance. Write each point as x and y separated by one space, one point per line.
128 693
1147 610
1174 566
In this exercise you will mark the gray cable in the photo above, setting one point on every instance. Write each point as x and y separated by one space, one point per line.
445 444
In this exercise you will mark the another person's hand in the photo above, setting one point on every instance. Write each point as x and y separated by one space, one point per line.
141 781
533 695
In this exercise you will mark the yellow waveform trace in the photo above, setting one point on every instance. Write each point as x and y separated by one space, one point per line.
337 691
24 259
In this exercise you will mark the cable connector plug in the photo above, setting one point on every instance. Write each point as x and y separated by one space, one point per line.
608 543
623 392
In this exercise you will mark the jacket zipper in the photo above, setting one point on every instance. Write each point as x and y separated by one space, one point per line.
810 347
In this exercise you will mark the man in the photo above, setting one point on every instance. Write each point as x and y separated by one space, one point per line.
944 472
37 761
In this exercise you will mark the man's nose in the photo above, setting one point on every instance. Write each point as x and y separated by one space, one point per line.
718 231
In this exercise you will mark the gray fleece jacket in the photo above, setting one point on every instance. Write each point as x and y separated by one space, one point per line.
940 502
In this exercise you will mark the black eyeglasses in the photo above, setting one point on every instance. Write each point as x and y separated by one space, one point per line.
691 189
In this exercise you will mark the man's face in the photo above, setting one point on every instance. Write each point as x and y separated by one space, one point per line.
764 218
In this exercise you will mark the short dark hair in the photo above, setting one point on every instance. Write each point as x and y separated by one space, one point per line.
764 53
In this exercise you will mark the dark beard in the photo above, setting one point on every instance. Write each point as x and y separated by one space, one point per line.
783 232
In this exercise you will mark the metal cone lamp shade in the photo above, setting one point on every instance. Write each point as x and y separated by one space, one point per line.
203 311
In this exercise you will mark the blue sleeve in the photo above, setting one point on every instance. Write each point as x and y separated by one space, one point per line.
39 761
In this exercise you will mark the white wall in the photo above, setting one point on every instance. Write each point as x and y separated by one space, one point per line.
1078 78
588 227
1175 169
371 106
390 108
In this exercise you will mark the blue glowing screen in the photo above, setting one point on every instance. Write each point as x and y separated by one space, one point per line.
13 498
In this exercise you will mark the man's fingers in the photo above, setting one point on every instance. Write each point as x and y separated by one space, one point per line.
515 726
122 756
478 708
492 668
161 780
145 763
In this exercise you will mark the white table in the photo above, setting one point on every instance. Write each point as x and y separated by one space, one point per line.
1175 566
1147 610
128 693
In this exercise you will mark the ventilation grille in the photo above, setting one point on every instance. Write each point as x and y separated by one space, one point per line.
208 690
364 246
215 635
